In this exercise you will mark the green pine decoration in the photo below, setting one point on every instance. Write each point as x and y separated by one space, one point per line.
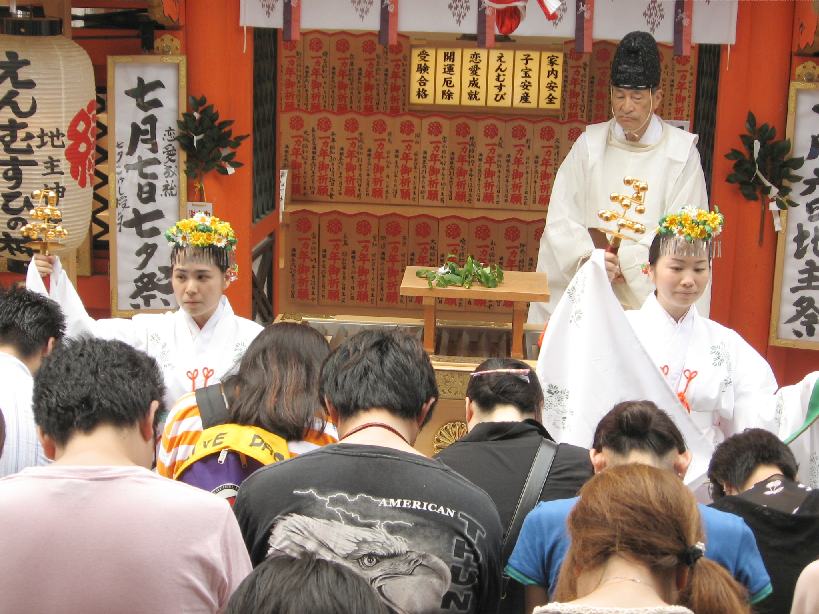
208 143
773 164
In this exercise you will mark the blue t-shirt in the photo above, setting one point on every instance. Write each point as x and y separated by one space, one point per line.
544 541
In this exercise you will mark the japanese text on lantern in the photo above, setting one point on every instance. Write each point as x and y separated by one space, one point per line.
146 182
473 77
448 77
19 99
41 148
501 64
422 71
551 80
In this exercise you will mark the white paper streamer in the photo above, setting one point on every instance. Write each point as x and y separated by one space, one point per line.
774 191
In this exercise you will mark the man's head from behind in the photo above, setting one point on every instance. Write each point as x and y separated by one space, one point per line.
737 458
384 369
639 432
89 384
30 325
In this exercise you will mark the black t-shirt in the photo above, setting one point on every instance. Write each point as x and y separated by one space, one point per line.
425 538
497 456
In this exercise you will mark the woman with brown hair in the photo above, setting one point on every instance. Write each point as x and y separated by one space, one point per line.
636 547
275 389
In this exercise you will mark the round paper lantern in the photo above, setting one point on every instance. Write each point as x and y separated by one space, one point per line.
47 128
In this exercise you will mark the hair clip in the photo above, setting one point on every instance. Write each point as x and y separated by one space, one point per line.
693 553
522 374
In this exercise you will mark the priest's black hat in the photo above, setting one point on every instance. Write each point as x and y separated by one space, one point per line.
636 63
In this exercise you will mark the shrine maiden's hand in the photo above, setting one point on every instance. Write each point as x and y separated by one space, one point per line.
44 264
613 268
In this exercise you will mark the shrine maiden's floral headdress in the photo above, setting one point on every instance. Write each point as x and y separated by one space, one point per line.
690 231
207 234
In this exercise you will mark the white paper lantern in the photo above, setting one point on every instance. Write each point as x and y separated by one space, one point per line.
47 128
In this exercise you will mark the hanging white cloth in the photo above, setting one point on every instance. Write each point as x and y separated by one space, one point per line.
591 360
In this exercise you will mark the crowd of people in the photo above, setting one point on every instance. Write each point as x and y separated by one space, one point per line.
195 461
370 524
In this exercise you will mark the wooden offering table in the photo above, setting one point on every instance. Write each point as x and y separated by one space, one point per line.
517 287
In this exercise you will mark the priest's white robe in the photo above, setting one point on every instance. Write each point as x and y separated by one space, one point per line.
189 357
666 158
728 386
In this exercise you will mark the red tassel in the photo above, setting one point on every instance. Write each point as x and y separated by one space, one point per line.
583 26
683 19
486 26
388 29
291 30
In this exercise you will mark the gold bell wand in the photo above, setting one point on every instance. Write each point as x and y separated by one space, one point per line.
626 201
45 229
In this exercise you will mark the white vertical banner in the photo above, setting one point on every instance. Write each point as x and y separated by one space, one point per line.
795 309
145 98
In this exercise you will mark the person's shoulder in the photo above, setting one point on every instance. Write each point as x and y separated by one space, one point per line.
177 497
721 333
571 450
248 326
147 319
725 524
186 404
678 136
549 511
301 465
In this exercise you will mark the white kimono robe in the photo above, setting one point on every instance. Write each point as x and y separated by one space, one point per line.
728 386
666 158
188 356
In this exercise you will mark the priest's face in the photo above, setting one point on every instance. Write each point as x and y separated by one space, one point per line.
633 108
680 281
198 286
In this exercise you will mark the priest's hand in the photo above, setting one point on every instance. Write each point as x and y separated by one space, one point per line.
44 264
613 269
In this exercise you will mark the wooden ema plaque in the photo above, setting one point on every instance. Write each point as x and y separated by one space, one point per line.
518 287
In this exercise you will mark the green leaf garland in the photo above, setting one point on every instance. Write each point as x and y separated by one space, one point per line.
473 271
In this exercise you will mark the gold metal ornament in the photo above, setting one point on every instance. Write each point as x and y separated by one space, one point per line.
45 229
622 219
448 434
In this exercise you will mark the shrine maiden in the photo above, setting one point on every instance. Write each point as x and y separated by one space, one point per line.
725 385
636 143
194 345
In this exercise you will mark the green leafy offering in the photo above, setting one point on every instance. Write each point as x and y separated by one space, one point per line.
472 272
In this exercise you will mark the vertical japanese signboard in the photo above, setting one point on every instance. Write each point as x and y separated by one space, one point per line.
501 66
146 95
448 79
795 310
473 77
527 64
422 71
551 79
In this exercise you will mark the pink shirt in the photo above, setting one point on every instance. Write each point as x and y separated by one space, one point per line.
114 539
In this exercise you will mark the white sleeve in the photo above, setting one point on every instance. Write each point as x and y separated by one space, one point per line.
754 387
689 189
78 322
566 239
